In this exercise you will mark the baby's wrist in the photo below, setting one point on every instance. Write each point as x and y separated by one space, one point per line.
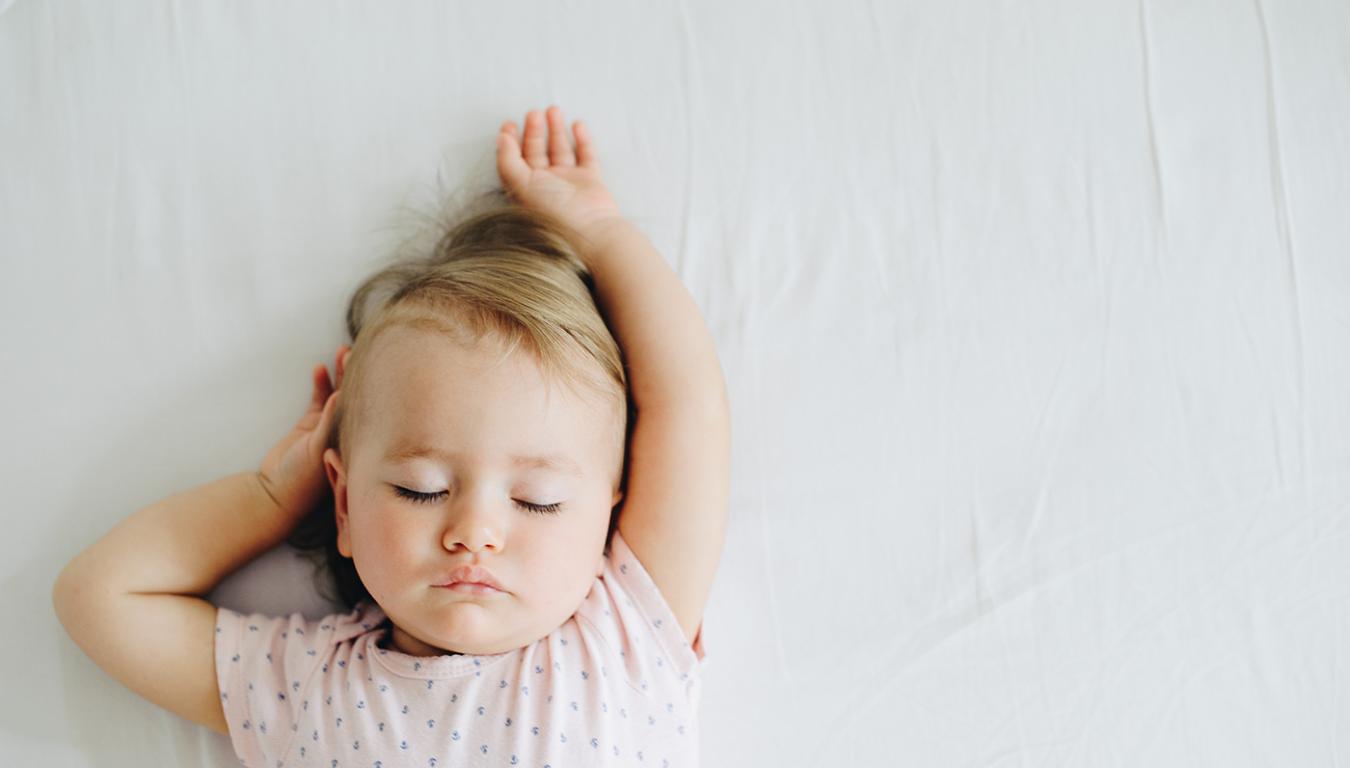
268 488
599 233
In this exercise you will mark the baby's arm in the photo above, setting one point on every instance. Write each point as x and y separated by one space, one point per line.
675 505
132 600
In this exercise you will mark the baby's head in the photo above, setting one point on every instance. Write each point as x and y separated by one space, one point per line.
483 420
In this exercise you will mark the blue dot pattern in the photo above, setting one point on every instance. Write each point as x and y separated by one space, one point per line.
616 684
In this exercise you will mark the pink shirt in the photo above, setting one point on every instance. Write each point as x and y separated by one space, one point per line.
616 684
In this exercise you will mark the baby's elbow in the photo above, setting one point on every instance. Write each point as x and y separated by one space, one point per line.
62 591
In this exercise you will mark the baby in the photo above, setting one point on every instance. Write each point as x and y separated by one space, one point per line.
525 555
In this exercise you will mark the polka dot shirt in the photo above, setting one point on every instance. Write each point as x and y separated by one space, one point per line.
616 684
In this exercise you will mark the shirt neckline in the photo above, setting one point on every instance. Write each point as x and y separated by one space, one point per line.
422 667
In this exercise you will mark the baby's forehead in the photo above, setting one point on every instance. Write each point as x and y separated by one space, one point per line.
402 352
426 333
403 358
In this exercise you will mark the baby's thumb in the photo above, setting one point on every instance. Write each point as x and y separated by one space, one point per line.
329 408
510 162
319 438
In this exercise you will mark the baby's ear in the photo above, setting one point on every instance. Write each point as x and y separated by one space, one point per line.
337 478
332 466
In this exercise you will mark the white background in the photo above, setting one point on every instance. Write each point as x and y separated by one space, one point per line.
1033 314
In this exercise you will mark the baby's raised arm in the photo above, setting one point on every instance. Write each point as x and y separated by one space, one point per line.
675 506
132 601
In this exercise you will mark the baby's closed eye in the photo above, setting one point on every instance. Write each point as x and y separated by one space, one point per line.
421 497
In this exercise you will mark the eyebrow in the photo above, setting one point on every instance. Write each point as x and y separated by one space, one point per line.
555 462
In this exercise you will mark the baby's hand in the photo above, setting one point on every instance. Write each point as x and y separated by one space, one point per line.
292 472
549 176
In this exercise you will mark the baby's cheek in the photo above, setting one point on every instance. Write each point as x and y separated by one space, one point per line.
408 538
388 544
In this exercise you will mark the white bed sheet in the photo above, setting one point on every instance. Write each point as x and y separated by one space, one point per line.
1033 316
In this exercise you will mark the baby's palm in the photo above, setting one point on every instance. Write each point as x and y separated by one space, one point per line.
547 174
292 471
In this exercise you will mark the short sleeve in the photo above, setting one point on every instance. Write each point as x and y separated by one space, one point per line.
629 610
264 665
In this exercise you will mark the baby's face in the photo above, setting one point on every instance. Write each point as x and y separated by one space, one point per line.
444 422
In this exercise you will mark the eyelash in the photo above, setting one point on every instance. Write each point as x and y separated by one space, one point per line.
428 498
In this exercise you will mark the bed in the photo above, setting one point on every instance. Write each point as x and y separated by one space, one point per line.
1033 316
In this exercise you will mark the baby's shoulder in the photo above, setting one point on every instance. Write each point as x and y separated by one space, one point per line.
626 610
252 628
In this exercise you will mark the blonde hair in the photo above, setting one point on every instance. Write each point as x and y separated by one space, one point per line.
506 272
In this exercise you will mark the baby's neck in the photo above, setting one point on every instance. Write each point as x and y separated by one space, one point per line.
386 640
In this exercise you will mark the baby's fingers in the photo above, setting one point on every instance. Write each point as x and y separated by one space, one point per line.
318 439
322 386
510 164
536 154
559 146
341 364
329 408
585 149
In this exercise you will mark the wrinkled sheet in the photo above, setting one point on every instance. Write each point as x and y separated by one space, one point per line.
1033 317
